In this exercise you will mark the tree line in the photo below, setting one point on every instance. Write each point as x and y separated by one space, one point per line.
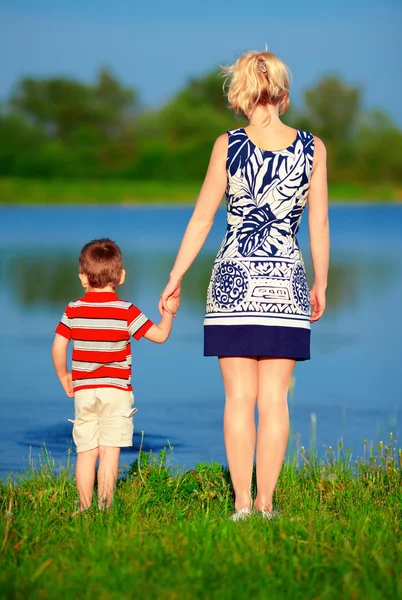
59 127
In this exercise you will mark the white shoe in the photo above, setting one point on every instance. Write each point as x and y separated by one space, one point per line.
241 515
269 514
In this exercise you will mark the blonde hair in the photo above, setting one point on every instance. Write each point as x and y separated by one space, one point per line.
257 78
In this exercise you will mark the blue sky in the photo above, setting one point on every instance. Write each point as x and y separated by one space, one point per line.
156 46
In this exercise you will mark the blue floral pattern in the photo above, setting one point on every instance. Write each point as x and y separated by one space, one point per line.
230 284
300 290
259 272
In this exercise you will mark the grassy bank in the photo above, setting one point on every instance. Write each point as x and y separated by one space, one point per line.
169 536
54 191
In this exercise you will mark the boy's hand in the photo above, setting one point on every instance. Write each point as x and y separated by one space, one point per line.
172 290
67 383
173 304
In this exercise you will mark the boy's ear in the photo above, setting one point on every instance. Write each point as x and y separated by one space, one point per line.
122 277
83 279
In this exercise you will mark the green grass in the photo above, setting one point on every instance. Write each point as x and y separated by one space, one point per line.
168 534
75 191
125 192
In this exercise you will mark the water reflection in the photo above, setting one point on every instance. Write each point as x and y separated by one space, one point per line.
36 278
42 279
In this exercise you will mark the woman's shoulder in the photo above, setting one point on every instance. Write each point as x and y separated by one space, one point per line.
220 147
314 146
239 131
226 143
226 138
235 136
309 136
221 141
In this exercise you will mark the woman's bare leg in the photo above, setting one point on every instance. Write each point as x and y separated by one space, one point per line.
240 378
107 474
274 376
85 476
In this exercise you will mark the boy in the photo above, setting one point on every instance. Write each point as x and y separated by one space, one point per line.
100 325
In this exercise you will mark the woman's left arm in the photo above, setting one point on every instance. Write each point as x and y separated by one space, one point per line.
202 219
319 229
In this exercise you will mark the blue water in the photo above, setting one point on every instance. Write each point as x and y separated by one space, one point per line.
351 384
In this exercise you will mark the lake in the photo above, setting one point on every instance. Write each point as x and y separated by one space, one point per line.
350 387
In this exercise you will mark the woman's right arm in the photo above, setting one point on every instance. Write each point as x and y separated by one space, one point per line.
319 229
202 219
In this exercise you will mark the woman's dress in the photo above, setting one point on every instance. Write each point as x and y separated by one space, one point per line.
258 301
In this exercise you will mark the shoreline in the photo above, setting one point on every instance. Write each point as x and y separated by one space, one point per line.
322 457
129 193
178 205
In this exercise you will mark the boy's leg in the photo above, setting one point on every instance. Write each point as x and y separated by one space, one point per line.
115 431
107 474
86 438
85 476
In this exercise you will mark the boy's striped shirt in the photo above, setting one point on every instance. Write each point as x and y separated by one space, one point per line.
100 325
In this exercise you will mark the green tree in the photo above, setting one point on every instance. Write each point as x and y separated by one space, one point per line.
61 127
175 141
87 130
333 109
60 105
206 91
17 139
379 149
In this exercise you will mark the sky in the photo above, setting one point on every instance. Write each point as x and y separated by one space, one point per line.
157 46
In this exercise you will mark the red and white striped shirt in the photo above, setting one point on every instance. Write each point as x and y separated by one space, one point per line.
100 325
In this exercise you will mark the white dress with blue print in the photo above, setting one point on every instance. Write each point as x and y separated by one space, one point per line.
258 301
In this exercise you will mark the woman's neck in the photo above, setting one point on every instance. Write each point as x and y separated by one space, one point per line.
265 116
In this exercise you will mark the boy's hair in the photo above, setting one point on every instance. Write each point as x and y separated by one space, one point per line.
101 261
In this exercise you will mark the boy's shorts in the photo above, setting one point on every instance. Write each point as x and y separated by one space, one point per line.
103 417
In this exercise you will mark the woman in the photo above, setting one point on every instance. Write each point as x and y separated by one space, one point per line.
258 303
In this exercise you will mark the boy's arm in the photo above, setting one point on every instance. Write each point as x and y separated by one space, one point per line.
59 356
140 326
160 333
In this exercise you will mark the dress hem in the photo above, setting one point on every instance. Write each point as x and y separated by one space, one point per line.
257 340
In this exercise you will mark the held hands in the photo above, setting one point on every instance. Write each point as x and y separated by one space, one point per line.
173 305
317 301
67 383
170 293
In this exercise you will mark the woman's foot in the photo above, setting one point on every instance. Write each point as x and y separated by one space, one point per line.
265 509
269 514
241 515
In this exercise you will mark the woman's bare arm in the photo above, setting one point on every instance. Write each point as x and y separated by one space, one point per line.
319 228
202 219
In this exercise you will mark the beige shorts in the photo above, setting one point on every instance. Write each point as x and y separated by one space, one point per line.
103 417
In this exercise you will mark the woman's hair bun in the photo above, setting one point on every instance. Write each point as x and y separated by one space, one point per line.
257 78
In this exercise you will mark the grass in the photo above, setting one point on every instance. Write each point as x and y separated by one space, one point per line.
75 191
168 534
123 192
